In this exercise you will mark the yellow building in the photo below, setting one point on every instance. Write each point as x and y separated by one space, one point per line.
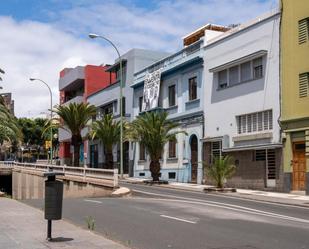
295 93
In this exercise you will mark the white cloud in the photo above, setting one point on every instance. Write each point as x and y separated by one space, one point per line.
34 49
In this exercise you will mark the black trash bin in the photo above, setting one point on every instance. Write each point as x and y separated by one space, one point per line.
53 199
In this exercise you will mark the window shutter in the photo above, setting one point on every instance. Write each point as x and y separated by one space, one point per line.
303 85
233 75
302 31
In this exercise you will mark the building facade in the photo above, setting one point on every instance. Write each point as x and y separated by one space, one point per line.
295 93
242 102
107 102
181 95
75 85
8 102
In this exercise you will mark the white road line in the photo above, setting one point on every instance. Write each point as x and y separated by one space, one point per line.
175 218
230 197
93 201
236 208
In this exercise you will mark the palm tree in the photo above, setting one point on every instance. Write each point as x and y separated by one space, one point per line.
153 130
107 130
221 170
9 129
74 118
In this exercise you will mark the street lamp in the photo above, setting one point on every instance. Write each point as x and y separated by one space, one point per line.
51 116
93 36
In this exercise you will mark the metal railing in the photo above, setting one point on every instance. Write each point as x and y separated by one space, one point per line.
93 173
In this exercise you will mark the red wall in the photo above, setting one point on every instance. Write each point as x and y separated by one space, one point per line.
64 150
97 79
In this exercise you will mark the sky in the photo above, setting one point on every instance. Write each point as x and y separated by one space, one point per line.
40 38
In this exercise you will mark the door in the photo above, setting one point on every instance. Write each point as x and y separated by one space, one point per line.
94 156
194 149
271 168
126 158
299 166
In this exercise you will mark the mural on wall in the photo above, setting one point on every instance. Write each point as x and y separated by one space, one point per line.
151 90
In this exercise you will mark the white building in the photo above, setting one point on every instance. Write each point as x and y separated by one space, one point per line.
181 95
242 101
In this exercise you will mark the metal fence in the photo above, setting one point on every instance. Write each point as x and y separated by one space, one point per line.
93 173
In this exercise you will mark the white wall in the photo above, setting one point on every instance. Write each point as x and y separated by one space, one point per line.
222 106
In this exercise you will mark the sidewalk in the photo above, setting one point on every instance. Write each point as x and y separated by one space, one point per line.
283 198
24 227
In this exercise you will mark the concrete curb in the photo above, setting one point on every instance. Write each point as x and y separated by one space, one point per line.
121 192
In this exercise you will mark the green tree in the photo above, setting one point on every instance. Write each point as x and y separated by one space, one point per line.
153 130
9 128
74 118
220 170
107 130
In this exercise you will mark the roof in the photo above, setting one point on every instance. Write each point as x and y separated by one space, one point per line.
200 32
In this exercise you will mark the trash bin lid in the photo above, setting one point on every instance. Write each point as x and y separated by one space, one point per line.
53 173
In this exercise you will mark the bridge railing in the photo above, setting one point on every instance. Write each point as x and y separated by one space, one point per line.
94 173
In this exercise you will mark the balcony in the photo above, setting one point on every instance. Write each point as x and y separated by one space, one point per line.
73 79
183 57
77 100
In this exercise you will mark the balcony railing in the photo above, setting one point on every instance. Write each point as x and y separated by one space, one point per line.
171 61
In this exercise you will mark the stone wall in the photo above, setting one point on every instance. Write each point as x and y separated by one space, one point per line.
250 174
29 184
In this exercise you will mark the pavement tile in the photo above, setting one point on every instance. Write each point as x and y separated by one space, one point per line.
24 227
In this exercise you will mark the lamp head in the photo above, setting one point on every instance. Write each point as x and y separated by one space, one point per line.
32 79
93 36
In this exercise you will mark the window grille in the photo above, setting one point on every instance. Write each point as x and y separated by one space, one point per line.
253 122
303 30
303 85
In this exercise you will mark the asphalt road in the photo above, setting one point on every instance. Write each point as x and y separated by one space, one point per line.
158 218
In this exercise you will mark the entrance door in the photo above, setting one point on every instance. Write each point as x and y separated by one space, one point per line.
299 166
194 159
126 158
271 168
94 156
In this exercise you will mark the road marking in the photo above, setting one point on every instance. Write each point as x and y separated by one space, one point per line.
224 196
179 219
93 201
236 208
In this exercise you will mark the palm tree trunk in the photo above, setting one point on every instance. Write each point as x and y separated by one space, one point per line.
76 155
109 160
155 168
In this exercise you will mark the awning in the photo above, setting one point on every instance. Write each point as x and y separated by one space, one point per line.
238 61
253 147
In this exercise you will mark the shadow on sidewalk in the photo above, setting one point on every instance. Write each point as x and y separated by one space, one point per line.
61 239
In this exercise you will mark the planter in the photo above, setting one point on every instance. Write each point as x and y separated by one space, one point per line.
220 190
150 182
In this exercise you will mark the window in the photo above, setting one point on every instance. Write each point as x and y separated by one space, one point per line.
222 79
142 154
303 85
107 109
140 103
259 121
123 106
259 155
193 88
172 149
233 76
258 68
171 175
172 95
245 71
303 30
216 150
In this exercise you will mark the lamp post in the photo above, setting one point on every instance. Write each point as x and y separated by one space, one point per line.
93 36
51 116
